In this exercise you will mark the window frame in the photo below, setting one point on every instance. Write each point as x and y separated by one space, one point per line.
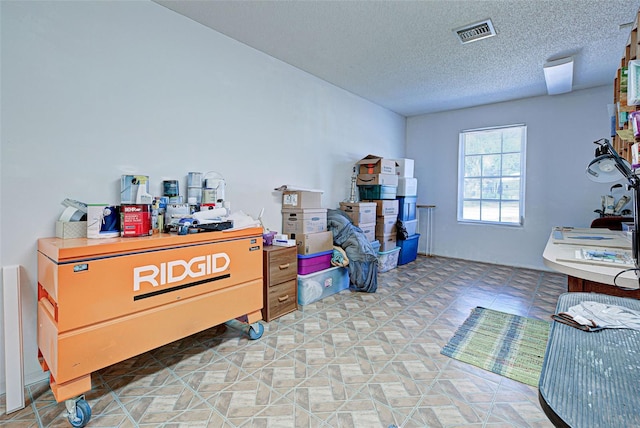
462 156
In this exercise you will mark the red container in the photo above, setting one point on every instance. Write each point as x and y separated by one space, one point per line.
135 220
314 262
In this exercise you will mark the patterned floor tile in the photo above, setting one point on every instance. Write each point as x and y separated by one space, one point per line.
419 368
440 410
466 386
333 315
352 359
322 395
243 399
316 353
364 412
254 357
282 414
311 327
284 374
214 378
342 338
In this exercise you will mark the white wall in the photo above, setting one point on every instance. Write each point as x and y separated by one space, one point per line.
94 90
561 130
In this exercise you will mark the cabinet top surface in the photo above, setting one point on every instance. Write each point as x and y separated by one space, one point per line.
270 248
59 249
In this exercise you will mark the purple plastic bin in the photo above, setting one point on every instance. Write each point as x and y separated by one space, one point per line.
314 262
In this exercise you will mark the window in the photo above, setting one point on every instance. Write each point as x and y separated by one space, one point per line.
491 175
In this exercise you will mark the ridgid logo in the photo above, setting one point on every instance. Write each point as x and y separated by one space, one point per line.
178 270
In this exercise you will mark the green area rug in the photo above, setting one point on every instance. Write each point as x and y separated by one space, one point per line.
505 344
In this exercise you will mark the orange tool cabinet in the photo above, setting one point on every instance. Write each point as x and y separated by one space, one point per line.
101 301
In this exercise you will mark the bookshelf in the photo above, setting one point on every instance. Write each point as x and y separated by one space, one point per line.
620 94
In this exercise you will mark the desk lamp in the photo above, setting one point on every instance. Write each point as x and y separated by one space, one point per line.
605 168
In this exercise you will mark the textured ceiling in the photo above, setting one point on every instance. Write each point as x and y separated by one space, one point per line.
403 55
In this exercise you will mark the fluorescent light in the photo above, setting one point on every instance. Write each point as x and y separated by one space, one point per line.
559 75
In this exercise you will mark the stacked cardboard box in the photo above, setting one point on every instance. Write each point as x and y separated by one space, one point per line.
377 182
305 221
386 219
377 178
407 196
363 215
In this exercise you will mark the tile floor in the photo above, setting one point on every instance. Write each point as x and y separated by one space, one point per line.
350 360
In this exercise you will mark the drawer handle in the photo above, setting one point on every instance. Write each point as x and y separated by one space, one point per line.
283 298
285 266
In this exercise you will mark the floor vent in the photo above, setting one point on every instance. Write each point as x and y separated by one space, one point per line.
475 32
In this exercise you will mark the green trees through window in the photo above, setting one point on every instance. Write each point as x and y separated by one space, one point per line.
491 175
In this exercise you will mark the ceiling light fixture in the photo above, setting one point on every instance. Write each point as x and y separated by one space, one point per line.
559 75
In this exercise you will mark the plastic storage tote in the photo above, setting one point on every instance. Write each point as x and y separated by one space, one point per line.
377 192
407 207
318 285
388 260
408 249
314 262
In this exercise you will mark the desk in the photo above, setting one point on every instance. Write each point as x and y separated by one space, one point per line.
587 277
591 379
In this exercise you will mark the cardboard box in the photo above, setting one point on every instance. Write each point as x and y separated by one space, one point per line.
404 167
71 229
377 179
297 199
360 212
300 221
369 231
407 186
135 220
386 225
387 242
387 207
312 243
372 164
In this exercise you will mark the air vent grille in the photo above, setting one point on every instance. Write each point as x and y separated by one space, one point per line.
475 32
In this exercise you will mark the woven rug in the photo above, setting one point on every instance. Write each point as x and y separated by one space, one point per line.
505 344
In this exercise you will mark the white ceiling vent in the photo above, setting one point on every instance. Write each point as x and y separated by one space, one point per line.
473 32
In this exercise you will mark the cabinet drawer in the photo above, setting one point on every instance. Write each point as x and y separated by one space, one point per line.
283 266
282 299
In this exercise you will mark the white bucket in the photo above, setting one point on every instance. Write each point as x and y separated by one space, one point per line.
103 221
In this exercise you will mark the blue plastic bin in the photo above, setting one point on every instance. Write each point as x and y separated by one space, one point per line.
408 249
407 207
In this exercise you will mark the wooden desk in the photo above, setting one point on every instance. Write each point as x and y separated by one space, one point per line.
588 277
